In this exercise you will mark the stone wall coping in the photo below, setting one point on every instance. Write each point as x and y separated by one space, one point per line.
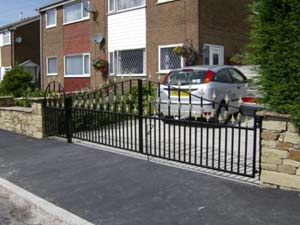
17 109
35 99
269 114
6 97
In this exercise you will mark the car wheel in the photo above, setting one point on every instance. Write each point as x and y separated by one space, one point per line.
221 116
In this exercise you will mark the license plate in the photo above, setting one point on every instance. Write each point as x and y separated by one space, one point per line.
182 93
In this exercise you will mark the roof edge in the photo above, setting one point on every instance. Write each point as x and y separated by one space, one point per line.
20 23
54 5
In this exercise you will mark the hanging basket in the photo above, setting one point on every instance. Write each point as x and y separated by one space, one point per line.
101 65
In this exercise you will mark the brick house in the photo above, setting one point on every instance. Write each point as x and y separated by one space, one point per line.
20 45
139 36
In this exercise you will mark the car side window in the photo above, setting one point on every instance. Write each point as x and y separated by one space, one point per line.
223 77
237 77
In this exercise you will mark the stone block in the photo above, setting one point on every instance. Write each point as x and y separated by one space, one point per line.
294 155
298 172
274 125
268 143
273 156
292 138
269 135
265 185
269 166
287 169
292 128
281 179
291 163
283 146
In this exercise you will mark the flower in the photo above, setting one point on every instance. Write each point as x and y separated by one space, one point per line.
188 52
101 65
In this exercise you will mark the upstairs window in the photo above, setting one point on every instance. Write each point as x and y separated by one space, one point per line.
120 5
51 18
6 38
76 12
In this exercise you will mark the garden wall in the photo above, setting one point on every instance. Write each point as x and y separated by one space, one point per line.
21 120
280 152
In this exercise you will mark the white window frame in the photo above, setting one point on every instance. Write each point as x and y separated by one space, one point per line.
116 10
55 17
4 69
9 35
47 62
115 63
82 10
221 47
113 72
78 75
159 55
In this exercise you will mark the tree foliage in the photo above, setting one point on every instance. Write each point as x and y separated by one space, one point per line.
275 44
16 82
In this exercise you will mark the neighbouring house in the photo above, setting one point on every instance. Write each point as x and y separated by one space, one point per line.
136 37
20 46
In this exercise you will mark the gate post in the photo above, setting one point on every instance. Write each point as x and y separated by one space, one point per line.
140 115
68 118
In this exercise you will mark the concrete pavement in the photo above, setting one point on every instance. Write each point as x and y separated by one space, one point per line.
111 189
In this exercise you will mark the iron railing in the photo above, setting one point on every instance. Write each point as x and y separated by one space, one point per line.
128 115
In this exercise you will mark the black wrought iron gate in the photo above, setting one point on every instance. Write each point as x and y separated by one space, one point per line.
133 115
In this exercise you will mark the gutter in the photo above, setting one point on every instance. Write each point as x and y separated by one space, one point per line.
54 5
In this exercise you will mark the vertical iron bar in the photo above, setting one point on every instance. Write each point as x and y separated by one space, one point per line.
255 143
68 118
140 109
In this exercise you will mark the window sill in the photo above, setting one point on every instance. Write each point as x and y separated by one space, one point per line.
164 2
49 27
51 74
77 21
163 72
77 76
128 75
6 44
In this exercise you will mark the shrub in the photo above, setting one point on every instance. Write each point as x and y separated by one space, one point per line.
15 82
275 47
26 101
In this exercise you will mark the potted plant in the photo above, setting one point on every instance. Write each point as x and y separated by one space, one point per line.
101 65
188 52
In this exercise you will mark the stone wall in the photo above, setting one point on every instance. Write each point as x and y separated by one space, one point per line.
280 152
26 121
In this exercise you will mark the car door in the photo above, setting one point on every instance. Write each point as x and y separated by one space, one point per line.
223 85
239 84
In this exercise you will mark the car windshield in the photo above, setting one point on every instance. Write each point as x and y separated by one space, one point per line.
186 77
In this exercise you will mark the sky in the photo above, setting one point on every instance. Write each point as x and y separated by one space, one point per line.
10 9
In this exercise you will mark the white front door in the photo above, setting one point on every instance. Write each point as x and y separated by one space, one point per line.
216 55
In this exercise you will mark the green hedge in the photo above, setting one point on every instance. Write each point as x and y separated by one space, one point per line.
275 47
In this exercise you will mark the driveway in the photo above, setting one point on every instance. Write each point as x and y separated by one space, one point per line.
111 189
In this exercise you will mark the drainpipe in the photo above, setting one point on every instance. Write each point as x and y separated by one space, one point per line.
41 52
12 45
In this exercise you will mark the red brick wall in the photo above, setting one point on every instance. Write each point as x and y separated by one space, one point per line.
76 84
77 38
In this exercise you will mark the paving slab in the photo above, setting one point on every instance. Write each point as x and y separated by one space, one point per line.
111 189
